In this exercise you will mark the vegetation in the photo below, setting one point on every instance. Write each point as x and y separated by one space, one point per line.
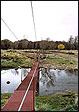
4 98
72 44
14 58
61 46
55 59
57 102
60 59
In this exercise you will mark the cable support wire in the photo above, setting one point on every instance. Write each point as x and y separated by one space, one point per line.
33 19
9 28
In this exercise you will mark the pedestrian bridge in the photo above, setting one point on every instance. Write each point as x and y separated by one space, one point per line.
23 98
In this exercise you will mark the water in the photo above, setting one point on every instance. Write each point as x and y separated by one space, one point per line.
57 81
50 81
14 77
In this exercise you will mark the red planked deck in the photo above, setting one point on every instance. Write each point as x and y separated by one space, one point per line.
16 98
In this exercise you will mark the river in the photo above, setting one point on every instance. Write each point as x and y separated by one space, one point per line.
50 81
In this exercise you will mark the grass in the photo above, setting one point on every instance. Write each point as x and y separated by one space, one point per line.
4 98
62 60
64 51
57 102
15 58
16 64
57 59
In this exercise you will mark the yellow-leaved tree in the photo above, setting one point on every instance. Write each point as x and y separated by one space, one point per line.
61 46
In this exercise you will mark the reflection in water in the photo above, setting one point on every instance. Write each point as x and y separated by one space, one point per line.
72 71
14 71
48 78
24 71
57 81
14 77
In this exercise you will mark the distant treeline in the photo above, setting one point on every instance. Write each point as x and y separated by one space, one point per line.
72 44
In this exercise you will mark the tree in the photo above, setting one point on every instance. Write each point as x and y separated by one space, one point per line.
76 42
20 45
29 46
6 44
2 45
15 45
48 39
44 44
73 43
61 46
24 43
70 42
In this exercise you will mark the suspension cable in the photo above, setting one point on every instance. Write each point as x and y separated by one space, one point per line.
9 28
33 19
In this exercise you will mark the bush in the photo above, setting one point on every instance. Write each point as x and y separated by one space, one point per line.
61 46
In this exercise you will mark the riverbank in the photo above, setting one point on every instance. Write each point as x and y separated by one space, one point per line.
58 102
54 59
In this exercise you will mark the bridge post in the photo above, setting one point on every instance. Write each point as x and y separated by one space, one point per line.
21 74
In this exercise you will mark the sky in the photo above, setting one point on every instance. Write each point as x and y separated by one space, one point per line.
56 20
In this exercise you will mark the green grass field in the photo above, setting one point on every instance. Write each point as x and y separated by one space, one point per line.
58 102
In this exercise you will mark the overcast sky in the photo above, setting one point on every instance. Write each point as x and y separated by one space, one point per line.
54 19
